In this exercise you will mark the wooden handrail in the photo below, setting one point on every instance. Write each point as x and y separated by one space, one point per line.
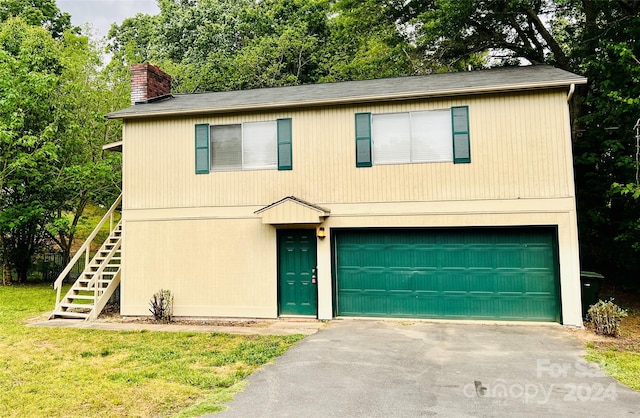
85 248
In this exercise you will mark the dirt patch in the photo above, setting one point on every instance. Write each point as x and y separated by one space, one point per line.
629 338
111 313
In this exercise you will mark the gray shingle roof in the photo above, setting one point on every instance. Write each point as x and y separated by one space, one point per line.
364 91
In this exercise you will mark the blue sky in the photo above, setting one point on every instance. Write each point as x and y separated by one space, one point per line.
100 14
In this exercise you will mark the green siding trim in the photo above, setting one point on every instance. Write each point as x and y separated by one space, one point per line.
461 139
202 148
285 158
363 140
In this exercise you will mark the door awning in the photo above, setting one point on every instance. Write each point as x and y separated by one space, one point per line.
291 210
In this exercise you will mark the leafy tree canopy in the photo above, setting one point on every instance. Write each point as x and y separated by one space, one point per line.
44 13
52 101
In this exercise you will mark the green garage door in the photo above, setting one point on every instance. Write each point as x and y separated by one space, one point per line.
506 274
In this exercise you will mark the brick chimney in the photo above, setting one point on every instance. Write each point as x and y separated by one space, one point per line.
148 82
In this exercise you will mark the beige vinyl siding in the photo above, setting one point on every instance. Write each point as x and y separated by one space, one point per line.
519 149
219 266
208 265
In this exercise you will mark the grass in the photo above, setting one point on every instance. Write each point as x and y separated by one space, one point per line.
60 372
620 357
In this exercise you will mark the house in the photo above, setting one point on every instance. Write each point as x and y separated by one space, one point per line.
439 196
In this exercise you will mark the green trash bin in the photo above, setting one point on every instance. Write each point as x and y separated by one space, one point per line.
590 285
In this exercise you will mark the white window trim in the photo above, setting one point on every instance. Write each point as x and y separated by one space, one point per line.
242 148
411 138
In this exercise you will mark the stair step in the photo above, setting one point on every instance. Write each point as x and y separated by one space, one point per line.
90 290
83 297
103 280
70 315
69 305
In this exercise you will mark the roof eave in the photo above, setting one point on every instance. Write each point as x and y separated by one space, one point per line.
462 91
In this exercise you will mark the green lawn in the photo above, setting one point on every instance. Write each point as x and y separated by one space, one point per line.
623 365
71 372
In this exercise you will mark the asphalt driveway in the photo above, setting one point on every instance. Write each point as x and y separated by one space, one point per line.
407 369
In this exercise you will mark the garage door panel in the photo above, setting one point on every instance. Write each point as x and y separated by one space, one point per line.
481 257
399 281
352 278
508 274
508 257
538 258
540 283
481 283
377 279
453 257
426 306
426 281
510 283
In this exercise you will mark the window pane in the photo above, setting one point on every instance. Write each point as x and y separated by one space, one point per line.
431 136
226 147
391 138
259 145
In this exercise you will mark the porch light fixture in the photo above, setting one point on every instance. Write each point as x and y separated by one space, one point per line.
320 233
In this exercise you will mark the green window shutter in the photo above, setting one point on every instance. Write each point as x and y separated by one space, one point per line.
202 148
461 142
284 145
363 139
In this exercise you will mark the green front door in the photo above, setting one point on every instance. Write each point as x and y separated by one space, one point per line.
297 264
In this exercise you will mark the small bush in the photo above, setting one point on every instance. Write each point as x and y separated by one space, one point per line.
162 305
606 317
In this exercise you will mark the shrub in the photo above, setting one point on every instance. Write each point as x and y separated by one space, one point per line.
162 305
606 317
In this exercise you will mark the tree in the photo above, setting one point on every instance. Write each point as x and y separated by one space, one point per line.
213 45
43 13
365 43
605 149
451 30
132 42
85 173
29 75
53 98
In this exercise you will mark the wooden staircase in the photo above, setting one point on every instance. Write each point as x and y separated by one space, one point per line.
90 293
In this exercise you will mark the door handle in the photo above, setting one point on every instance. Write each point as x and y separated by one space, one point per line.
313 275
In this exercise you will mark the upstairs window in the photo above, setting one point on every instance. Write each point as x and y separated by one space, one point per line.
244 146
413 137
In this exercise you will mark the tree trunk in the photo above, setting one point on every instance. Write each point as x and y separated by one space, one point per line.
7 276
22 271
